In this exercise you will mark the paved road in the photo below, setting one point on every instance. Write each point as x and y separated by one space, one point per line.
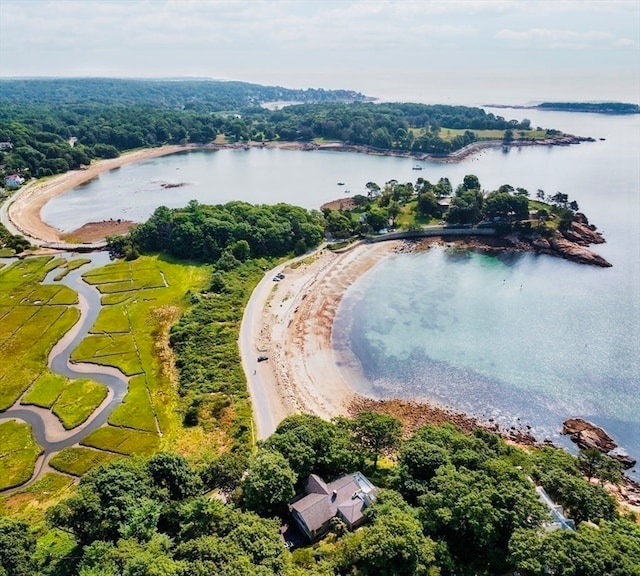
249 335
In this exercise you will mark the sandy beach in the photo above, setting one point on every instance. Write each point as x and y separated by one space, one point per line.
24 211
290 321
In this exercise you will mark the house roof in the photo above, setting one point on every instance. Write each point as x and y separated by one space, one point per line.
347 496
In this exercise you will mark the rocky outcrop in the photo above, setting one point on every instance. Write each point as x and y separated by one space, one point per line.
587 435
576 252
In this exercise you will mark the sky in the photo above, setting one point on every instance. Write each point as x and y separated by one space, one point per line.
463 50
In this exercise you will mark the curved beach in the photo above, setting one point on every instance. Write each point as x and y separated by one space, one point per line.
24 209
291 322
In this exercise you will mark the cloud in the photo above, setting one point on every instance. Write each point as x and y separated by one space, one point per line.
553 38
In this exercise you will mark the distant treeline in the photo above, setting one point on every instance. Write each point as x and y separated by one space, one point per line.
202 95
599 107
51 126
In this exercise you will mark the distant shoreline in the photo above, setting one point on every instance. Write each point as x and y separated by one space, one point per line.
24 208
611 108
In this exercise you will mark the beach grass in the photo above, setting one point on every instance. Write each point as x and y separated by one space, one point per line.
123 441
78 460
45 390
18 454
78 401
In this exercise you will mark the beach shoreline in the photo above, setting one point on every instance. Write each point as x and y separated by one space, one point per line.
24 208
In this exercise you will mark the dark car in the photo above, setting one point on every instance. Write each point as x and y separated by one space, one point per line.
262 358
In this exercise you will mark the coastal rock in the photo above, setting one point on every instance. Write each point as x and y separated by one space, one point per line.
583 234
587 435
576 252
625 460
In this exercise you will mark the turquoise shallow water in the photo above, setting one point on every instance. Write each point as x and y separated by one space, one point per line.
499 337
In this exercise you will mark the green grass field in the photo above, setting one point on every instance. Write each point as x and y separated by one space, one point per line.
33 318
70 266
450 133
45 390
78 401
130 333
123 441
79 460
18 454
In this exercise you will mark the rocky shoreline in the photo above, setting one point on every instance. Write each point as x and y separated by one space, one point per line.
414 415
570 245
457 156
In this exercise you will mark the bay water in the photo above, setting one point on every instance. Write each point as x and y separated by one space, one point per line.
522 339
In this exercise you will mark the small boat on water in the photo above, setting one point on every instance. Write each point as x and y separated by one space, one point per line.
340 183
417 167
347 191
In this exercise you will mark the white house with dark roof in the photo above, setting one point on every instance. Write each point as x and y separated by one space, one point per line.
346 497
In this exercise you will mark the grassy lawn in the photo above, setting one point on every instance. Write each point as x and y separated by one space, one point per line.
450 133
18 454
32 319
78 401
79 460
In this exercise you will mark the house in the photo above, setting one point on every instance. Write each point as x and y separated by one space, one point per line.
5 146
346 497
13 181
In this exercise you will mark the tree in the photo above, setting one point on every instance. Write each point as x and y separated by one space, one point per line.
17 548
106 500
394 544
376 433
471 182
269 483
173 476
377 219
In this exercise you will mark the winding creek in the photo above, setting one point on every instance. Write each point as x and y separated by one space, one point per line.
47 430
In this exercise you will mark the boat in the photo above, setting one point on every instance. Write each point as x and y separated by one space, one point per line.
340 183
417 167
347 191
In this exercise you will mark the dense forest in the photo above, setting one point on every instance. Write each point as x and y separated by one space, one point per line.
51 126
449 503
